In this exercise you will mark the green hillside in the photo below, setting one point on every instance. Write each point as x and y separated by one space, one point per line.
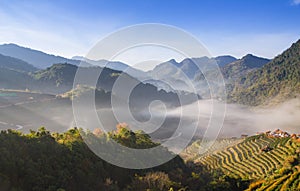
282 180
243 66
270 163
275 82
57 74
41 160
247 160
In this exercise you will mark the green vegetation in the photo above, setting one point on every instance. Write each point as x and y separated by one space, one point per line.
57 74
41 160
191 153
242 66
286 178
276 81
276 168
248 160
82 90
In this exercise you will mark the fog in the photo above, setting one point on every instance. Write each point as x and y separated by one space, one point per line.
234 121
241 119
57 115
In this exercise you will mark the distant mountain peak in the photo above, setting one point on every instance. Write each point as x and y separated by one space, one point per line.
249 56
172 60
243 66
225 56
224 60
78 58
276 82
12 44
36 58
252 61
43 60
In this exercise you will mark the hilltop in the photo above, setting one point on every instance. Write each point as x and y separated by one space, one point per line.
243 66
276 81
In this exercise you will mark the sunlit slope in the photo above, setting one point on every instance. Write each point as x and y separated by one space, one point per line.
275 82
282 181
191 153
250 159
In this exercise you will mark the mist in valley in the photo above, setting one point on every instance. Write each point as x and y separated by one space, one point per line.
240 119
158 121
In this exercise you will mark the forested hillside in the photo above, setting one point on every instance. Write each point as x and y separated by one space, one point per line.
242 67
275 82
41 160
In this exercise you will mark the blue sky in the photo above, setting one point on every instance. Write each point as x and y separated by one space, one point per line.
236 27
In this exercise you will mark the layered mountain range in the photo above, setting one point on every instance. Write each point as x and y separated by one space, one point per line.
250 80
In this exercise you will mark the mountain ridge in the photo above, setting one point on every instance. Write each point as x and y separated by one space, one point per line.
243 66
275 82
42 60
16 64
34 57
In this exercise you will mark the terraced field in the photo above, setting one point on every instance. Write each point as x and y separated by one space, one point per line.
191 153
245 158
282 182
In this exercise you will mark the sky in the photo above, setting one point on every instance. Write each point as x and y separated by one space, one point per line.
225 27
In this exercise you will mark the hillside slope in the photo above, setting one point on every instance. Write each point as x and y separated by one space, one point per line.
37 58
12 79
283 179
243 66
15 64
43 60
248 159
63 161
275 82
269 161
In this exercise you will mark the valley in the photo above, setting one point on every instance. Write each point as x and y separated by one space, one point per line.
149 95
37 103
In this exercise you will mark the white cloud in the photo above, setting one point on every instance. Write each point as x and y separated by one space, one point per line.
67 35
296 2
60 34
